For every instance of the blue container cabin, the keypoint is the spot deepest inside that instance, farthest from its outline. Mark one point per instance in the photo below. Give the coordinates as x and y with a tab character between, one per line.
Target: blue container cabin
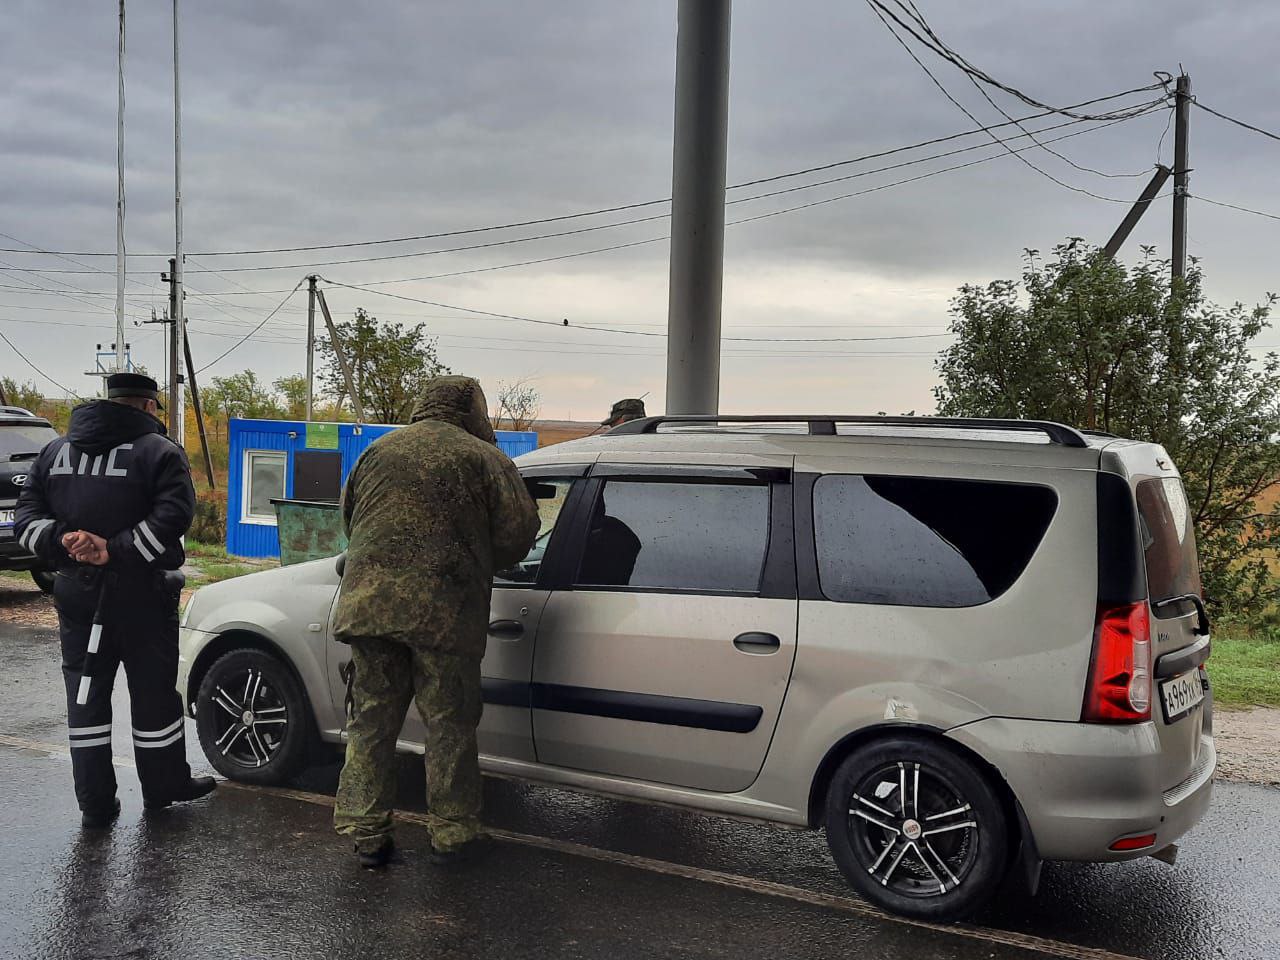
292	459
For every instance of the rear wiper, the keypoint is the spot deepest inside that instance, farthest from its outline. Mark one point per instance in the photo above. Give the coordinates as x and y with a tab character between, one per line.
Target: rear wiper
1202	615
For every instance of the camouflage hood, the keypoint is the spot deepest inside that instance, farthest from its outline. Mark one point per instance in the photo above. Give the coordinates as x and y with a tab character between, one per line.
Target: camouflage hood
458	401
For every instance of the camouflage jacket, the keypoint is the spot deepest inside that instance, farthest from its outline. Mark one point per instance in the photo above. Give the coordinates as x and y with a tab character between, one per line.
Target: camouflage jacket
431	511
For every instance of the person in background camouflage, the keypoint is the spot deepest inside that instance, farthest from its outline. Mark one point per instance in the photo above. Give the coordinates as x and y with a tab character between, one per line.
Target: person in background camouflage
431	511
622	411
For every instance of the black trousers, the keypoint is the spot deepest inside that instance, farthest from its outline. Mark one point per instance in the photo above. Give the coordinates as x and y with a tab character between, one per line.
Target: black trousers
140	631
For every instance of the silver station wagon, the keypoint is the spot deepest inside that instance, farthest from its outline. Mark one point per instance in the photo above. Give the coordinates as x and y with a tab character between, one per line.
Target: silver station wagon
962	647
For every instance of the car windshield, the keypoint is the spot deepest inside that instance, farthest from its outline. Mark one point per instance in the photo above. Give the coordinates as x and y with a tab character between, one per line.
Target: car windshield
18	440
1168	539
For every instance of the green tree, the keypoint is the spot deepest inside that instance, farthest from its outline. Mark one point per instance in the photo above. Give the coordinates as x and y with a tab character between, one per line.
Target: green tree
389	363
293	390
26	395
1086	341
241	395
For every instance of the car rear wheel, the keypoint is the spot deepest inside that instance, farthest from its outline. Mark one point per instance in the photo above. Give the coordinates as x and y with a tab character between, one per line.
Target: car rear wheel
917	829
44	580
253	718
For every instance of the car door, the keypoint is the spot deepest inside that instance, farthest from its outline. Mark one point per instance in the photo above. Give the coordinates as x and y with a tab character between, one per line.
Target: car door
519	597
666	655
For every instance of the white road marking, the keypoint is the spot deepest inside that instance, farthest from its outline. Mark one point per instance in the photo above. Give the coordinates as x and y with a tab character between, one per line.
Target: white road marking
768	888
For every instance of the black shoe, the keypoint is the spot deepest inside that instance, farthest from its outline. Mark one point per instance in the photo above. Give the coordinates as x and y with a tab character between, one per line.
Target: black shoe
376	859
194	789
100	818
470	852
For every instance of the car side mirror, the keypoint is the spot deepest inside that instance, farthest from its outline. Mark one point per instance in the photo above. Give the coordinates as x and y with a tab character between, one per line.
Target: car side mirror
340	563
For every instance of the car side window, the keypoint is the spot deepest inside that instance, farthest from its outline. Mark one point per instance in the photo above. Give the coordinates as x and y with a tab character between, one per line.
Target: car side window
550	495
677	536
925	541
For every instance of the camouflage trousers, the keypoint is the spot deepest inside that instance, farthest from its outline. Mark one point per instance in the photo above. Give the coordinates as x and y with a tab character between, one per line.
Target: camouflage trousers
446	687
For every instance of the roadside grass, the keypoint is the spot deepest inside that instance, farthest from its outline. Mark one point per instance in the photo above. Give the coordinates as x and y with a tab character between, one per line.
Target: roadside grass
1245	666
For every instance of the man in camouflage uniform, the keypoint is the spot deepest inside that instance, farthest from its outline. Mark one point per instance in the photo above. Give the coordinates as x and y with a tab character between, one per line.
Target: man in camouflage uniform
622	411
431	511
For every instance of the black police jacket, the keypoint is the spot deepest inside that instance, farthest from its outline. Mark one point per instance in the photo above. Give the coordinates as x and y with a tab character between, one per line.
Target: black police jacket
115	474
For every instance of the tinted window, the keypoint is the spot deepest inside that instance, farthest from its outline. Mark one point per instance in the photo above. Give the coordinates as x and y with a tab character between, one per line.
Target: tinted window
678	536
19	439
1168	540
923	542
550	496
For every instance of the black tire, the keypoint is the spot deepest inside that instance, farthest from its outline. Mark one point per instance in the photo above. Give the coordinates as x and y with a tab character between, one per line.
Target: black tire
44	580
885	850
275	744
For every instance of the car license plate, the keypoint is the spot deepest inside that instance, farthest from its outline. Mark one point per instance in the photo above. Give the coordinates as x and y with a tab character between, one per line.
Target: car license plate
6	518
1181	695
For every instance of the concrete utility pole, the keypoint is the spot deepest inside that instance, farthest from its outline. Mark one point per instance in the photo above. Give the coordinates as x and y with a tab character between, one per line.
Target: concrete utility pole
1181	174
175	355
119	346
178	337
340	353
697	206
311	340
1137	210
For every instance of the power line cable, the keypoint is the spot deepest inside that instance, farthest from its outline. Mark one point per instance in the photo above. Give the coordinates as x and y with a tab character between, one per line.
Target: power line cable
982	128
1233	206
937	46
27	361
239	343
880	10
1238	123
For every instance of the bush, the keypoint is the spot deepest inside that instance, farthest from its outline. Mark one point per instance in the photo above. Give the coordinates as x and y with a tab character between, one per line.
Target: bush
210	523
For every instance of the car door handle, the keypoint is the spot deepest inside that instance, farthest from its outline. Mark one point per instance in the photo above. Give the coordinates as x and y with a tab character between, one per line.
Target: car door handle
758	643
506	629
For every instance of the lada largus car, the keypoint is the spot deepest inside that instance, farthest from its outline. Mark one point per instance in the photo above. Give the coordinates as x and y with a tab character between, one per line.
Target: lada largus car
961	647
22	436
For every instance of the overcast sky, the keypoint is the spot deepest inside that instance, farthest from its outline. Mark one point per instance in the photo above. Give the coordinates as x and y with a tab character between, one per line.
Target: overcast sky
326	122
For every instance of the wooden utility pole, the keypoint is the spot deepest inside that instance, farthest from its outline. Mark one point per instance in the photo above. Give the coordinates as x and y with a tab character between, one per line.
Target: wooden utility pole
311	340
341	355
195	405
1181	175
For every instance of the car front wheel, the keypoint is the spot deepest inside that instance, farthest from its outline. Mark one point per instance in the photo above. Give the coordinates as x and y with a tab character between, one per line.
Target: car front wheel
44	580
917	829
253	718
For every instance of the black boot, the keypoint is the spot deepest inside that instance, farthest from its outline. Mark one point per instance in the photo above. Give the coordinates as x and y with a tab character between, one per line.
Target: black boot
473	850
101	818
376	859
193	789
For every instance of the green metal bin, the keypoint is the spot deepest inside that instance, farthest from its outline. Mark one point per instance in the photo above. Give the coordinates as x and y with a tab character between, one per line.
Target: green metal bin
309	530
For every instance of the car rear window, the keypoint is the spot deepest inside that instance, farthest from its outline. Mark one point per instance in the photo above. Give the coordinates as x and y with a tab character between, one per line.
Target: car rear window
678	536
1168	540
925	541
20	439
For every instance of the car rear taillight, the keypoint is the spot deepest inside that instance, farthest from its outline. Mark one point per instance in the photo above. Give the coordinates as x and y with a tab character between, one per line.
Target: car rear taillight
1119	686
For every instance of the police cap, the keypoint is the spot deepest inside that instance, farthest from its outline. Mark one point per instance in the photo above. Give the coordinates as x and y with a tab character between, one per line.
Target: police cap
132	385
624	410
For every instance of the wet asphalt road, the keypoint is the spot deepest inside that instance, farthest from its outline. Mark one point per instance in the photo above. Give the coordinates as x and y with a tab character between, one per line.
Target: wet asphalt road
255	873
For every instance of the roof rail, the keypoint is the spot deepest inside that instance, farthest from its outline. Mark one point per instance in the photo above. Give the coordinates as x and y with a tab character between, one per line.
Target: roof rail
825	425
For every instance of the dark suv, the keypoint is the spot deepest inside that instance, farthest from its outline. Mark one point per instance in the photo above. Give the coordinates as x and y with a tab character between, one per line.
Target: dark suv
22	435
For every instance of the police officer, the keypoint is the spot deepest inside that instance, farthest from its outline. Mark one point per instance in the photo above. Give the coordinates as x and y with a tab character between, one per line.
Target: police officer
106	506
622	411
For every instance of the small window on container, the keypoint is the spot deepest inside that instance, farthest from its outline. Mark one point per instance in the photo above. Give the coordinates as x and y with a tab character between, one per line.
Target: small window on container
264	480
924	541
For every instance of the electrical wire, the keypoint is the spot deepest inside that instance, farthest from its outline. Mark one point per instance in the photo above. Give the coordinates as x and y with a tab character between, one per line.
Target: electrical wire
239	343
981	128
937	46
1238	123
880	10
1233	206
27	360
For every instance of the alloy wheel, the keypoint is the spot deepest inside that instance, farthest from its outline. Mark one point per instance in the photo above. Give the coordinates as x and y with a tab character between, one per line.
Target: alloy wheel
252	719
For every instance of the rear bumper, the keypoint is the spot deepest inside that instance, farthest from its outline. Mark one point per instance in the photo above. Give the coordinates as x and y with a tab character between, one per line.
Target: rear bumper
1083	786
